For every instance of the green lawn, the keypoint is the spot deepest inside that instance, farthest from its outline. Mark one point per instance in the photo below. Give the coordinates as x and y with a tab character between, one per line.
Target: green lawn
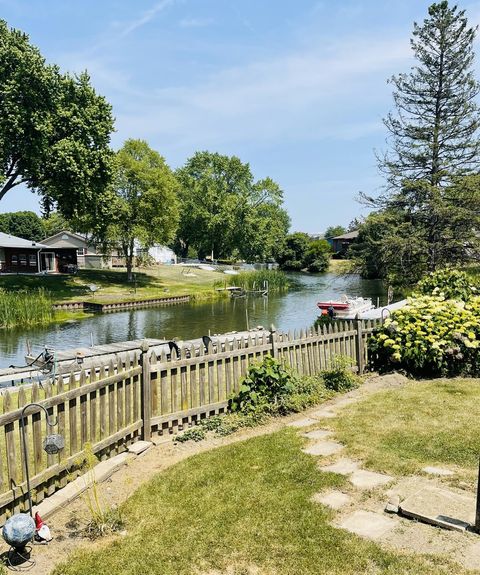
399	431
241	509
161	281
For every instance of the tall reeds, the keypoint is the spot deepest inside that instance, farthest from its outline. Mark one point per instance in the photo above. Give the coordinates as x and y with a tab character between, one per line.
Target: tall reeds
25	308
275	280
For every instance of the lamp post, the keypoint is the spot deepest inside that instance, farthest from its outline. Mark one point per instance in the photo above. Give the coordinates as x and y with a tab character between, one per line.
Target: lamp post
52	444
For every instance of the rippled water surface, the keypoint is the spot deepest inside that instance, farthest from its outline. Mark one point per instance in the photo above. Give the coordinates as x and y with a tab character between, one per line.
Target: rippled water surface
293	310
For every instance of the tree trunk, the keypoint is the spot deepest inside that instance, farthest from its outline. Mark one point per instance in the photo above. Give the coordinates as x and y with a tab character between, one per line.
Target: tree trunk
128	248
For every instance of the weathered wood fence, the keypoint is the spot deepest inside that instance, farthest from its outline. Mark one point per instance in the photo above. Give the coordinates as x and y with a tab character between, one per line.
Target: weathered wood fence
102	410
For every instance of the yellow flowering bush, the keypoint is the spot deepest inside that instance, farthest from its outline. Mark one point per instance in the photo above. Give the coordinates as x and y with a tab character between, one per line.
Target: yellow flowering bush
431	335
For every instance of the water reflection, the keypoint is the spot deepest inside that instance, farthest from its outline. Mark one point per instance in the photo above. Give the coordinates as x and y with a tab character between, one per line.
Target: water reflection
294	310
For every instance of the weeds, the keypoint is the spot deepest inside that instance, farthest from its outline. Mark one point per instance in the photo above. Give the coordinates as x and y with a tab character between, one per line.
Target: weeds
340	377
25	308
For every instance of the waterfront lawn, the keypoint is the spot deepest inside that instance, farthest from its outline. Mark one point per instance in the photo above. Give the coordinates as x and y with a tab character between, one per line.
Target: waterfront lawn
242	509
400	431
161	281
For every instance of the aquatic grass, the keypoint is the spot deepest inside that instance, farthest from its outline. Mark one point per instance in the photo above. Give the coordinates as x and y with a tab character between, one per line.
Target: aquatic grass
25	308
256	280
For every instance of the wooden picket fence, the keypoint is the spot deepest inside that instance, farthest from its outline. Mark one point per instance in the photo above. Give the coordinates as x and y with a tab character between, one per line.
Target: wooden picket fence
103	409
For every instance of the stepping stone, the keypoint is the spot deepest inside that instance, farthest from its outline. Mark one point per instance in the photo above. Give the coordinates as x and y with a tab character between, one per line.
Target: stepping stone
317	434
324	413
438	471
306	422
333	499
139	447
342	466
440	507
323	448
471	558
369	479
368	524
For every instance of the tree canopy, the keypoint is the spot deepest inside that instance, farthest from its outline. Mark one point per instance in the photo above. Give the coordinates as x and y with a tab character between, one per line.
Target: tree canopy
300	252
54	130
429	214
333	231
145	202
226	213
26	225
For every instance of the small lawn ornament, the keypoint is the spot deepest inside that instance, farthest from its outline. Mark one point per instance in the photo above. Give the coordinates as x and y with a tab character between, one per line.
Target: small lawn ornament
18	532
42	534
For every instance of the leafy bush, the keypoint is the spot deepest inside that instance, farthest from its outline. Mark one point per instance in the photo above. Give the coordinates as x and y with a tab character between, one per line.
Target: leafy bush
430	336
264	386
449	284
194	433
340	376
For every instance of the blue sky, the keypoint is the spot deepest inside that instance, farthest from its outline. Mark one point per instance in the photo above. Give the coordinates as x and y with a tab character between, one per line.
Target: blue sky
296	88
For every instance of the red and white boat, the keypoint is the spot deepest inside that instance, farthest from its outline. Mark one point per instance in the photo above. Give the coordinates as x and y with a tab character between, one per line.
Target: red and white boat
346	305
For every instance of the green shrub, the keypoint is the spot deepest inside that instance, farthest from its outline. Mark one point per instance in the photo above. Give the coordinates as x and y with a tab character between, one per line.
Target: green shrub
194	433
264	386
25	308
430	336
449	284
340	376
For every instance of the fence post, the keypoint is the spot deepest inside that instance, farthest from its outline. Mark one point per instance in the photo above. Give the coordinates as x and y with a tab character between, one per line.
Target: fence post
273	341
359	345
146	392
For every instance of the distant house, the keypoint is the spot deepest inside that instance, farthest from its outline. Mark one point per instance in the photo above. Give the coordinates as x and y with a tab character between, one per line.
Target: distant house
72	248
340	244
22	256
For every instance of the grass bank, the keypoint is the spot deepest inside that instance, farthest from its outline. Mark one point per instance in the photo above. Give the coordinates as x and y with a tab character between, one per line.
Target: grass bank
423	423
113	286
241	509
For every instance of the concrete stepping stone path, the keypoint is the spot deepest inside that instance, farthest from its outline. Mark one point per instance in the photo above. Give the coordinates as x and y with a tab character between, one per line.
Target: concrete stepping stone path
324	413
368	524
323	448
343	466
440	471
369	479
334	499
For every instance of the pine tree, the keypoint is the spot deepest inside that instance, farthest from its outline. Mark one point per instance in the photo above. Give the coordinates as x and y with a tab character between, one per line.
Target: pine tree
433	131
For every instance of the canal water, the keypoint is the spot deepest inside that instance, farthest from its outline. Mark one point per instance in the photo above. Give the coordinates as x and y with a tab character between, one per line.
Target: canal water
295	309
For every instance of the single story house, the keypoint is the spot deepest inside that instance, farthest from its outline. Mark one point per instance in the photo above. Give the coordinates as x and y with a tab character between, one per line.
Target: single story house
74	249
340	244
23	256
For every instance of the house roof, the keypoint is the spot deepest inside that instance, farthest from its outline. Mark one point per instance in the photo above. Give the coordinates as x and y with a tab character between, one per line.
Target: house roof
8	241
60	234
347	236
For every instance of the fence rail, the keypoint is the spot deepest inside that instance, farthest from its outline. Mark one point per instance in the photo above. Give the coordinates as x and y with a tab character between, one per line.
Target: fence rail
103	409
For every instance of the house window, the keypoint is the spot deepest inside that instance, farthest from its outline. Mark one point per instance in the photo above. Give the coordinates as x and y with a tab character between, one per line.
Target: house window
15	260
81	251
23	259
32	260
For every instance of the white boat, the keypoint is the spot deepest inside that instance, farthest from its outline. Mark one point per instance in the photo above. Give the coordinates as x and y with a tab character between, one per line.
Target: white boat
346	306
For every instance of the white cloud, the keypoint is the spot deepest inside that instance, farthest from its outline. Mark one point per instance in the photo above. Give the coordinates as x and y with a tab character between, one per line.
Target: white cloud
195	22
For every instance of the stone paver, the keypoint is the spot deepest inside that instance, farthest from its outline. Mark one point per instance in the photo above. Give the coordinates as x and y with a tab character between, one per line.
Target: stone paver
139	447
333	499
369	479
441	507
441	471
324	413
305	422
323	448
471	559
343	466
368	524
318	434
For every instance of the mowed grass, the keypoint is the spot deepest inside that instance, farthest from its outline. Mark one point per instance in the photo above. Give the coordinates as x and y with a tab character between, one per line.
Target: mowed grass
241	509
160	281
402	430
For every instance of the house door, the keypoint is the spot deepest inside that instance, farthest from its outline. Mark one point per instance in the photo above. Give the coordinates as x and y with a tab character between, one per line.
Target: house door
47	261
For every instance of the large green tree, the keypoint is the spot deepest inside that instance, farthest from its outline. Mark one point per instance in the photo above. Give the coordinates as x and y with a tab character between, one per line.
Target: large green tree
54	130
333	231
225	213
145	202
26	225
433	157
